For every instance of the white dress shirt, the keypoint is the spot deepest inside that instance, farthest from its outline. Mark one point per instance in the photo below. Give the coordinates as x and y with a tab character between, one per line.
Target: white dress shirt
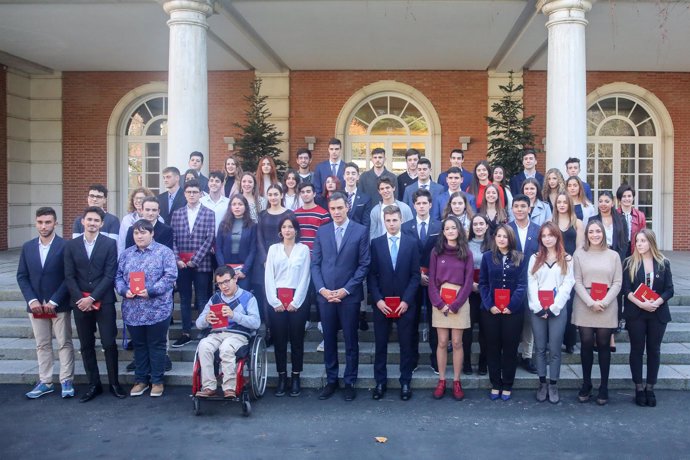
219	207
192	213
283	271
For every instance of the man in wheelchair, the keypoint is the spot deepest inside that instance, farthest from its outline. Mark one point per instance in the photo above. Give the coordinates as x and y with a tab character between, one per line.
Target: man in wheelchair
242	313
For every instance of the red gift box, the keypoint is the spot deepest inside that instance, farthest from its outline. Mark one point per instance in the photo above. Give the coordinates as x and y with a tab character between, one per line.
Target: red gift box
186	257
643	293
137	282
449	292
217	309
502	298
286	296
394	304
96	305
546	298
598	291
45	315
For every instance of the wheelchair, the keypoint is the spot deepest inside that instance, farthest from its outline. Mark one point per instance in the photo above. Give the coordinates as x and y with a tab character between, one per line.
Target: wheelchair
251	363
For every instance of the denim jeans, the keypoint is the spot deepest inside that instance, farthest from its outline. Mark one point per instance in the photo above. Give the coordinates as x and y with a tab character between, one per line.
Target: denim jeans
150	343
186	278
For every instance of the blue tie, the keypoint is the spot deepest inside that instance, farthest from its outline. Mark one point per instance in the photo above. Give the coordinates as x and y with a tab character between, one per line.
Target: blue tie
422	233
338	238
394	250
334	169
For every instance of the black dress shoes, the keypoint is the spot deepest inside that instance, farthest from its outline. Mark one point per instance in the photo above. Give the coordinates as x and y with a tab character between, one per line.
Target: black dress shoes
405	392
92	392
328	391
117	391
282	385
379	391
349	392
295	387
528	365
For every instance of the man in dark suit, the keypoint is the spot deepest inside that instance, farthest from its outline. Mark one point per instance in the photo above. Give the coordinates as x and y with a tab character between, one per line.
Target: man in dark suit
426	231
527	236
424	182
90	267
173	198
394	274
358	203
334	166
457	158
340	261
162	233
41	278
529	163
196	161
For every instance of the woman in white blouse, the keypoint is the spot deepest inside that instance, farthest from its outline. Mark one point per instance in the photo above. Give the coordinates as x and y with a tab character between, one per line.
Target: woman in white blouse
287	279
549	281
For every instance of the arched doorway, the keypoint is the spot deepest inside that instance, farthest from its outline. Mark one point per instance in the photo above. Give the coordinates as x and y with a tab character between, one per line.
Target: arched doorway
626	144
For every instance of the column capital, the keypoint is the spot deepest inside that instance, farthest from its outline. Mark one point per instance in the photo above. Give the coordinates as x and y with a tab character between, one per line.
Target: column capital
204	7
568	11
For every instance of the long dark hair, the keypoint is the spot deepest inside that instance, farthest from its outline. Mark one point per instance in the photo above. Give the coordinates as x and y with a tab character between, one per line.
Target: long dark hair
229	218
562	257
486	241
619	239
295	224
474	185
513	253
462	249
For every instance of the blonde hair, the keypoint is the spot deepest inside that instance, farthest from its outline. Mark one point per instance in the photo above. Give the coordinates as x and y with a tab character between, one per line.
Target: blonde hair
144	190
571	210
546	190
600	224
635	260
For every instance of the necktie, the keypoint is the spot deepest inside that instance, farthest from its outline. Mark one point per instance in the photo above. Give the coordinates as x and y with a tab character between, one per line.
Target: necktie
338	238
171	198
394	250
334	169
424	187
350	200
422	233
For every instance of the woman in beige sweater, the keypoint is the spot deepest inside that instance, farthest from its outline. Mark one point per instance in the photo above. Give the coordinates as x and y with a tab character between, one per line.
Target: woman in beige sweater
596	263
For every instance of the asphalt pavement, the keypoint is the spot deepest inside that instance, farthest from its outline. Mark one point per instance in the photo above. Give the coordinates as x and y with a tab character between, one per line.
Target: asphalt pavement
304	427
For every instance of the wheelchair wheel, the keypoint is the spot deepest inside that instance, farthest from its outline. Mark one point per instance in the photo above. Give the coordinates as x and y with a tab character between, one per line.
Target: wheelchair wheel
258	368
246	408
197	406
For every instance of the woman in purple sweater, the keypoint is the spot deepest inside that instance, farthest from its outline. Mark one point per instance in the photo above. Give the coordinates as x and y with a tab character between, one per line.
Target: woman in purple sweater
451	270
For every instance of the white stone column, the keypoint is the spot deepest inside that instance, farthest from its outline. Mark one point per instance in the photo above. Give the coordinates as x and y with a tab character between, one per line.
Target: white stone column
187	81
566	97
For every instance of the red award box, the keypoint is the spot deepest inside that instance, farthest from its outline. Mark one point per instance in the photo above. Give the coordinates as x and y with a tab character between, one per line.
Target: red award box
186	257
394	304
546	299
137	282
449	292
476	275
501	298
96	305
598	291
643	293
45	315
424	270
236	267
286	295
217	309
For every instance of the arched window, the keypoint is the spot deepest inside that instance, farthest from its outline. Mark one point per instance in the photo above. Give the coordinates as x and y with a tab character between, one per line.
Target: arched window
145	133
623	147
391	121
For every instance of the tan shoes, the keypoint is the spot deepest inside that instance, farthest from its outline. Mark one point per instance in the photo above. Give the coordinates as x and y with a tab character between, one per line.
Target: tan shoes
138	389
157	390
206	393
229	394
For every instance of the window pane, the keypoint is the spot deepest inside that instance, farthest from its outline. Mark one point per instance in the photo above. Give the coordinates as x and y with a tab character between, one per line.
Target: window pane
135	126
594	117
156	128
397	106
399	165
616	128
628	166
628	179
627	150
645	181
419	128
648	211
605	150
156	106
411	113
134	181
624	106
365	114
605	166
645	166
388	127
152	165
359	154
152	181
638	115
605	183
357	128
380	105
608	106
644	198
647	129
645	150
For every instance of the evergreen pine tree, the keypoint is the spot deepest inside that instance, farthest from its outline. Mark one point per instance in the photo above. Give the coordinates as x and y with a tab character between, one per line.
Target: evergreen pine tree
510	132
259	137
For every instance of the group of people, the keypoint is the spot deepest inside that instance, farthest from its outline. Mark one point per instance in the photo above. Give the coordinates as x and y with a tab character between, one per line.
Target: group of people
530	261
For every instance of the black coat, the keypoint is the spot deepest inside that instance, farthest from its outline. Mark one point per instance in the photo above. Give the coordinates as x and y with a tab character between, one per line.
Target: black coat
662	285
95	275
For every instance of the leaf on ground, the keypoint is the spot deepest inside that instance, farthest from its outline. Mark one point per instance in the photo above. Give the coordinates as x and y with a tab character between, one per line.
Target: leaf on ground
381	439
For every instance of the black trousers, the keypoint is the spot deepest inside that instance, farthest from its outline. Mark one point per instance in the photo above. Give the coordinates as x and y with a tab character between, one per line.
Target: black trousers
406	324
424	308
645	330
87	323
570	335
289	326
467	335
502	334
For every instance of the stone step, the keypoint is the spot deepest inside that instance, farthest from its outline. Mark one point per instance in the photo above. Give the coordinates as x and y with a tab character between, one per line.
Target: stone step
671	377
25	349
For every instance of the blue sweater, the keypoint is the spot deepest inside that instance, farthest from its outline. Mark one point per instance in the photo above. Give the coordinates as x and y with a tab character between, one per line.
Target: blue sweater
504	275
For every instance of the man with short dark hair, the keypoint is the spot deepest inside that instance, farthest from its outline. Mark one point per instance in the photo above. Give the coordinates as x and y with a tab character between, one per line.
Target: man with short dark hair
173	198
98	196
369	180
196	161
387	193
215	200
193	235
529	163
412	157
303	164
423	182
457	158
41	278
334	166
454	183
90	268
358	202
572	168
339	266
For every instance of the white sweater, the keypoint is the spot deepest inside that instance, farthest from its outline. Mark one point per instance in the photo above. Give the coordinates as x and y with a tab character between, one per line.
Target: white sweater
546	279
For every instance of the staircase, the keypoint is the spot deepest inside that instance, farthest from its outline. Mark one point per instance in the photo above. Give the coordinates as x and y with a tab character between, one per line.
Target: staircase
18	356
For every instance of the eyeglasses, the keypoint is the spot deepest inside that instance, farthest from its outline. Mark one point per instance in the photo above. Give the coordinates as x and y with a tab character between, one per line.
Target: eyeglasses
191	192
96	197
224	283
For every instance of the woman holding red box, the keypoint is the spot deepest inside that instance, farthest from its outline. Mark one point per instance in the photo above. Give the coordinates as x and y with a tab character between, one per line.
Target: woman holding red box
503	287
646	319
598	278
286	280
451	270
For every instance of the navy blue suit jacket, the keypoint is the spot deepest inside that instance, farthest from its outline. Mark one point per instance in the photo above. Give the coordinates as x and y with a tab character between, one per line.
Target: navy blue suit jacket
162	233
247	250
361	209
95	275
322	171
347	268
466	179
517	180
47	282
435	189
179	202
403	281
432	233
532	241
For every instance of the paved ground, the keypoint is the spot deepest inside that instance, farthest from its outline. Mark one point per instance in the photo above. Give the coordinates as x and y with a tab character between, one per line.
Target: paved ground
305	427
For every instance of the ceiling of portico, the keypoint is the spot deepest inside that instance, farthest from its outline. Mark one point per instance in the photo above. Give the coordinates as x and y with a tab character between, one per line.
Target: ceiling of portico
276	35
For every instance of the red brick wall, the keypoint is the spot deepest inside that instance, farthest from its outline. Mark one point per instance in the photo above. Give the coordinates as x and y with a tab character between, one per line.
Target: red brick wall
673	89
88	102
460	99
3	157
